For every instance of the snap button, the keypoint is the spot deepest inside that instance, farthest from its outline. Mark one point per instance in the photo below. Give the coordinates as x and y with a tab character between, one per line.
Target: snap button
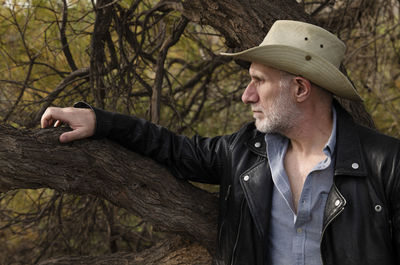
355	166
378	208
246	178
337	202
257	144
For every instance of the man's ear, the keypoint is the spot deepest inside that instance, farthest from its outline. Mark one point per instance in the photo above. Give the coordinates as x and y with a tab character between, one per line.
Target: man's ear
302	89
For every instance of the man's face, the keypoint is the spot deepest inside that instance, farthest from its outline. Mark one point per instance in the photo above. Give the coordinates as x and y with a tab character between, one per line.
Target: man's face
269	95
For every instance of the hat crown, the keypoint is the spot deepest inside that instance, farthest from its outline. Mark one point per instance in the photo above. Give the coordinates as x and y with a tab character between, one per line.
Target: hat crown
306	50
307	37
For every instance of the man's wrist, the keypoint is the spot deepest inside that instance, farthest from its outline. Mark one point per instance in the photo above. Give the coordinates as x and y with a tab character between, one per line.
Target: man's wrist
103	120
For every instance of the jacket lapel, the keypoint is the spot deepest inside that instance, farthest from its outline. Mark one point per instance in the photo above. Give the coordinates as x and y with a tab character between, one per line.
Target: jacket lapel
349	162
257	184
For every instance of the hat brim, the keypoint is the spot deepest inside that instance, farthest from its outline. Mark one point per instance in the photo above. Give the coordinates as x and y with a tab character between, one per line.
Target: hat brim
299	62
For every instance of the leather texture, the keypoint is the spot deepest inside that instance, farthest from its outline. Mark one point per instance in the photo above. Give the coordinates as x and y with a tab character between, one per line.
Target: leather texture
362	213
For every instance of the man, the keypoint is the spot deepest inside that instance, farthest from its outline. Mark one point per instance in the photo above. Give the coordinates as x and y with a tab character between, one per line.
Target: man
304	184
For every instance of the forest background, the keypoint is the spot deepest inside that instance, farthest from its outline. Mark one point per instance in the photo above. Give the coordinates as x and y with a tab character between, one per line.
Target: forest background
158	60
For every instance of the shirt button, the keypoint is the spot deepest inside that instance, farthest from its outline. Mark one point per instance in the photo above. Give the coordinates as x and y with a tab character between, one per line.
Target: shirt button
378	208
355	166
257	144
299	230
246	178
337	202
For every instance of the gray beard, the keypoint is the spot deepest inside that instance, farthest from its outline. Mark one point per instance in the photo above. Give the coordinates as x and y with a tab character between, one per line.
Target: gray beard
281	116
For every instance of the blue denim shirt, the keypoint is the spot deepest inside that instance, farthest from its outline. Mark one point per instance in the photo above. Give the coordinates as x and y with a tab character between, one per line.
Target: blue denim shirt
294	239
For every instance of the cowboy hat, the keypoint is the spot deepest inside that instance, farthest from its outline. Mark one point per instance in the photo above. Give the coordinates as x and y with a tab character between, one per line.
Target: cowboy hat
303	49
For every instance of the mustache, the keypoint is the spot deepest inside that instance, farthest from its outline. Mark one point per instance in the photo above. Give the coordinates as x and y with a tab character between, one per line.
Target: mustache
256	108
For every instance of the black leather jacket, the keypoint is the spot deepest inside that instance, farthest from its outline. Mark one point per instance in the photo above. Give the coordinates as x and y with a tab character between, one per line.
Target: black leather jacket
362	214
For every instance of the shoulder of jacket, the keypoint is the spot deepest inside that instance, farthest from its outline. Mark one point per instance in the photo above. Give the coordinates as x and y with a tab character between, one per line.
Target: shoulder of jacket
369	135
246	132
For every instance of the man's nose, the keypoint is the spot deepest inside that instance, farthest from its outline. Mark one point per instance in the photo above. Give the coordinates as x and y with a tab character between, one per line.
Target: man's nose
250	94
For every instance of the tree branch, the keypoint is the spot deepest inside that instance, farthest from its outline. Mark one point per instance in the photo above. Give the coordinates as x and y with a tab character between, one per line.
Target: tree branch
63	38
98	56
320	8
21	93
156	95
107	170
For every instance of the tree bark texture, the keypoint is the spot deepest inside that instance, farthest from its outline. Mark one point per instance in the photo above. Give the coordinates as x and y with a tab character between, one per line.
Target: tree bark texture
105	169
243	23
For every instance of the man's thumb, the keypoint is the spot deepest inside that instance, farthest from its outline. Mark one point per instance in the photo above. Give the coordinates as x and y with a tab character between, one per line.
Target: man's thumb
69	136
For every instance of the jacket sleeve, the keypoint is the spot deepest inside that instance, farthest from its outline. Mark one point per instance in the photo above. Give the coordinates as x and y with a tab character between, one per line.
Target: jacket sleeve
198	159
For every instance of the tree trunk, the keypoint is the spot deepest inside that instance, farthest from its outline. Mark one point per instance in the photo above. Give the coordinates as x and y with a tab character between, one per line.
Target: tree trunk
105	169
243	23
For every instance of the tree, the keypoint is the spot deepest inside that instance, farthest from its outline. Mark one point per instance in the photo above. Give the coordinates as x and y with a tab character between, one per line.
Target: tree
153	59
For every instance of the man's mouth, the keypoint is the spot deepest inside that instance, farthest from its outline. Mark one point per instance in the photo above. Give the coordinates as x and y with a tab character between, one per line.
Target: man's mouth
257	114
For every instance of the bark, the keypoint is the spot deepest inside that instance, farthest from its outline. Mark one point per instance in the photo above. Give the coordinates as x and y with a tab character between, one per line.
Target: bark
243	23
35	159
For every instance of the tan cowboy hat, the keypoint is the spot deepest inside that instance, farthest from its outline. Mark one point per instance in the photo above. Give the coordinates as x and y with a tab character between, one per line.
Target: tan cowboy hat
303	49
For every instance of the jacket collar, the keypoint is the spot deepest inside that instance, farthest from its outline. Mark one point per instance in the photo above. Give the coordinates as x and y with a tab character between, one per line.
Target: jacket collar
349	158
257	144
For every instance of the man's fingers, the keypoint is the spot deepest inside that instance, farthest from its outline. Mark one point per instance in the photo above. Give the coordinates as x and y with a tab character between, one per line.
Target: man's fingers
45	121
57	123
49	116
54	116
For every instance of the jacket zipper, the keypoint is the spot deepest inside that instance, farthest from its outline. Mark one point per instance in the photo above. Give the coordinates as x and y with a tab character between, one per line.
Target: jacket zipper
326	226
238	233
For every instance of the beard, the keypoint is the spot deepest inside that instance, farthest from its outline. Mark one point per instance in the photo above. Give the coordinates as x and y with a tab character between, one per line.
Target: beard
280	116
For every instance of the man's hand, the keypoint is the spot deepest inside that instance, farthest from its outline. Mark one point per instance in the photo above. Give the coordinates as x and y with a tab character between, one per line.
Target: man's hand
82	121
